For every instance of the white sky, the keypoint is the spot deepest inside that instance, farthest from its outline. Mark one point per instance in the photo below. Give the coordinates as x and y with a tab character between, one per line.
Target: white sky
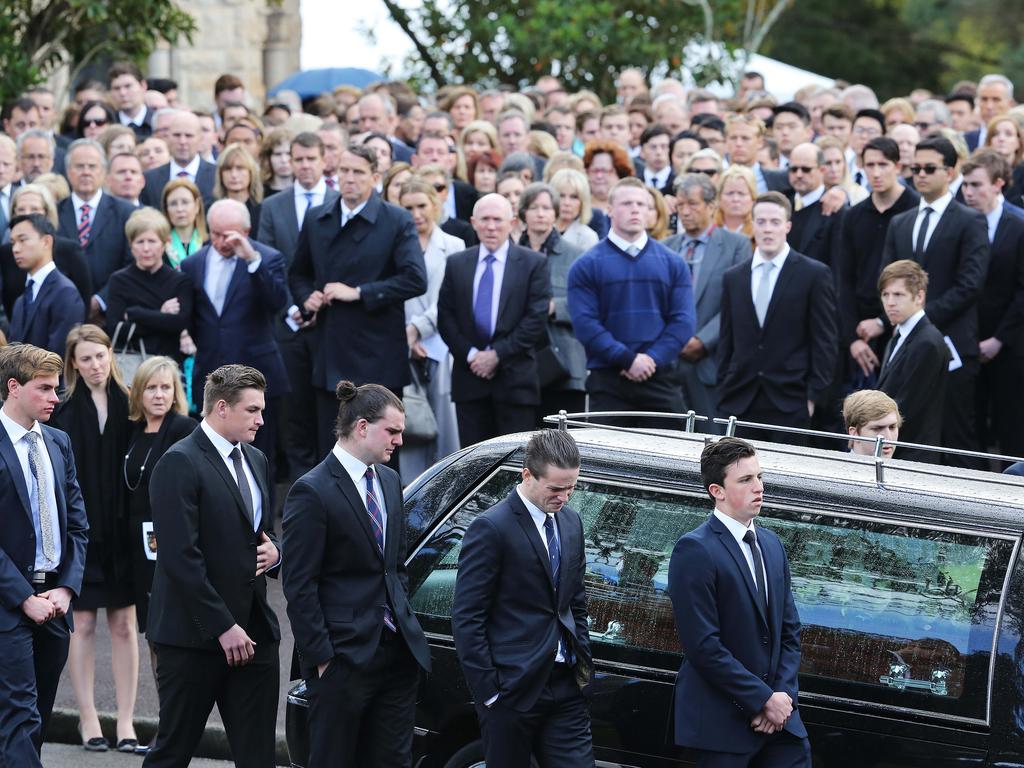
332	34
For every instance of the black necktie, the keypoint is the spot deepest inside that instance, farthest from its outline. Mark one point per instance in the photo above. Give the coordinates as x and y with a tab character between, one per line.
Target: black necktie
921	234
755	554
243	484
891	350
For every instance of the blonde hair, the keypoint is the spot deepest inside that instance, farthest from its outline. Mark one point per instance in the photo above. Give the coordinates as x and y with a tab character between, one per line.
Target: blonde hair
145	220
200	222
236	154
570	177
660	229
96	335
49	204
419	186
479	126
149	368
561	160
868	405
745	175
543	144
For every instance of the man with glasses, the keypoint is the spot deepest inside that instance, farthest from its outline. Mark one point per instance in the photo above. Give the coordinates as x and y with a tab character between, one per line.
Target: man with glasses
932	115
951	242
812	231
709	251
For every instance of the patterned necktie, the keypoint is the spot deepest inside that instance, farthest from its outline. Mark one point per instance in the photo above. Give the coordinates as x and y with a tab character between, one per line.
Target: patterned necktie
555	556
36	466
377	523
764	295
184	175
922	234
484	299
755	555
331	182
243	485
84	225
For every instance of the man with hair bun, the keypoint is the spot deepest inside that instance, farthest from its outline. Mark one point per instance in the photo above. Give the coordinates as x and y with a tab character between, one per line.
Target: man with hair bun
360	648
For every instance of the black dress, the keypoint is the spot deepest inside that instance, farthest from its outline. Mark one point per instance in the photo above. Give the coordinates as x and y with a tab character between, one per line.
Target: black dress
144	450
107	582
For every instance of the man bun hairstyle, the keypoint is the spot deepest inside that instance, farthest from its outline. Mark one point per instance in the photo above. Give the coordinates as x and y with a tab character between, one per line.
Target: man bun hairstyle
367	401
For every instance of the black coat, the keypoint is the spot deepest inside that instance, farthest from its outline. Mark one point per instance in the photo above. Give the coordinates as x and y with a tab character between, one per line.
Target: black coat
465	198
135	297
108	249
158	178
1001	309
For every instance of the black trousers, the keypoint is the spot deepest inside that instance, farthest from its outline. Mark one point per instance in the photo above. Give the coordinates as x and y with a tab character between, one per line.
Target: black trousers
609	390
999	411
298	416
190	682
780	750
764	411
489	417
363	717
958	418
32	657
556	730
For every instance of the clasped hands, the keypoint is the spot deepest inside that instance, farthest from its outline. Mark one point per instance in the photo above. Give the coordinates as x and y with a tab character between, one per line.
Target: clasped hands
774	714
47	605
331	292
641	369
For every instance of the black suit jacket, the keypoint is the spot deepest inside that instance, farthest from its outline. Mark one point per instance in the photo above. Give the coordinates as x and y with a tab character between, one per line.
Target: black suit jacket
379	252
336	579
777	180
460	229
158	178
518	332
507	616
916	379
205	578
67	255
108	249
1001	309
465	198
792	357
666	189
956	260
55	311
816	235
17	534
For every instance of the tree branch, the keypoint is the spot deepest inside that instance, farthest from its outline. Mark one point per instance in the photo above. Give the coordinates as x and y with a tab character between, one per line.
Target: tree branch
709	17
401	18
766	25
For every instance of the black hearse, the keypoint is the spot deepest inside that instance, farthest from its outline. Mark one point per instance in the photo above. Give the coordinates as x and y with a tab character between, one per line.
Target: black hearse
907	577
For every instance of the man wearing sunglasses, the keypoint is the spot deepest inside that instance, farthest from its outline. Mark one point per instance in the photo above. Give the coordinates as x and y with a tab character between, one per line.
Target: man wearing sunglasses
812	230
951	242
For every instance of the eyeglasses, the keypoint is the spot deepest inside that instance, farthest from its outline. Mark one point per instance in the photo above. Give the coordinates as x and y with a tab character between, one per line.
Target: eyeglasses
927	169
705	171
801	168
440	187
95	121
922	126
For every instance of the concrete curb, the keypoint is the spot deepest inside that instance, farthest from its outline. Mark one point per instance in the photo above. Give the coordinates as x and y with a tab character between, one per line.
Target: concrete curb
63	729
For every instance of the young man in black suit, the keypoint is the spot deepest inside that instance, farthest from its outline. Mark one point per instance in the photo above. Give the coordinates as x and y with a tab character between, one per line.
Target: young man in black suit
777	347
737	689
491	313
950	242
915	366
214	632
50	305
1001	309
42	549
520	617
359	645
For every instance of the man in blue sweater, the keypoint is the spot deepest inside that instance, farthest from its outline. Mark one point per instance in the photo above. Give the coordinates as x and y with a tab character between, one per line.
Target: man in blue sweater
632	309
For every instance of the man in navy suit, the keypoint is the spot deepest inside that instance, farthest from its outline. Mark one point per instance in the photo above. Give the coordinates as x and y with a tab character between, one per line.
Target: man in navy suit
360	646
94	218
356	262
42	549
184	135
519	616
240	289
729	582
51	305
994	98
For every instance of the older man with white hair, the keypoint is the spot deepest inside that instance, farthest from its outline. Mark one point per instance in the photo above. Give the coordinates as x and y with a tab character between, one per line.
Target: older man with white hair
994	98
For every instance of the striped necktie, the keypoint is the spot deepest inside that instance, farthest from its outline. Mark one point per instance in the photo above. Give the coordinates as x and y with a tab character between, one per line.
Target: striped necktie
377	523
84	225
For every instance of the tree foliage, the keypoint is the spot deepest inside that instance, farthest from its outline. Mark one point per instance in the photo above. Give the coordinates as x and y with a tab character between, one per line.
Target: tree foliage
38	36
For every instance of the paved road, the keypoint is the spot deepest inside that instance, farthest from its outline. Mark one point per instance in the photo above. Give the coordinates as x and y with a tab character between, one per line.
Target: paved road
69	756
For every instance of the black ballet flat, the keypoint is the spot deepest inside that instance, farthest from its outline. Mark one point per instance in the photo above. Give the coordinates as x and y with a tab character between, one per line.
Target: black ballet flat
96	744
128	745
142	749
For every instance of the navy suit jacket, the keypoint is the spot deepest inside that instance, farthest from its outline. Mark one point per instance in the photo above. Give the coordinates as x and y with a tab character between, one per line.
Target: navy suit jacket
734	656
379	252
244	333
108	249
158	178
508	616
1001	309
57	309
17	534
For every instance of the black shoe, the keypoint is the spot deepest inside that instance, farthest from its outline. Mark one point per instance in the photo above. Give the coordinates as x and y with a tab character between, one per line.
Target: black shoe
142	749
96	744
128	745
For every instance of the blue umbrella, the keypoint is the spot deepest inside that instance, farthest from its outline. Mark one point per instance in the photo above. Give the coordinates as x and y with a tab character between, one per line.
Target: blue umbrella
313	82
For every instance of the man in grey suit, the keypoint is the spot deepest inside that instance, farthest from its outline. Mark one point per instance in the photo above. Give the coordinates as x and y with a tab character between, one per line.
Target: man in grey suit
709	251
281	219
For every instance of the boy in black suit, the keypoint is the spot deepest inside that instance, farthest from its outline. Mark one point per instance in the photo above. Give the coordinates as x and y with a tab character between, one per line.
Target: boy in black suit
915	365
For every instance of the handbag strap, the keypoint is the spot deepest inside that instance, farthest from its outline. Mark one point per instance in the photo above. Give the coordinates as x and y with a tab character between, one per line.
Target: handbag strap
128	338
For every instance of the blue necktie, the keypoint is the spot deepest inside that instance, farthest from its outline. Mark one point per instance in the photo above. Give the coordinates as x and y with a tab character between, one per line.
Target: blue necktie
29	293
377	523
484	297
309	204
555	555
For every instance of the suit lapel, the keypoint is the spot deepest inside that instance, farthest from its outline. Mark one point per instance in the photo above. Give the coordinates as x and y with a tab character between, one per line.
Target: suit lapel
237	277
217	462
525	520
709	265
351	493
10	457
250	456
938	234
59	471
30	311
781	283
568	544
393	512
509	280
740	560
100	218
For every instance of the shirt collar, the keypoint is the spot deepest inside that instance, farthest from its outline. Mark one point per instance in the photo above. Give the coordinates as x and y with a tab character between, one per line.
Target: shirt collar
318	190
353	467
348	213
42	273
812	197
14	430
137	119
908	325
778	261
192	169
223	446
623	244
93	201
735	527
702	238
499	255
535	512
658	176
939	206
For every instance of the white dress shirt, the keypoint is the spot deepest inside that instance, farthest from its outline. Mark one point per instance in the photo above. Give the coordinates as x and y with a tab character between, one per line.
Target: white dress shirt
623	244
216	265
94	203
17	433
347	213
39	276
905	328
224	448
498	271
539	517
657	179
317	198
806	201
773	276
938	208
192	169
356	469
137	119
738	531
993	216
449	202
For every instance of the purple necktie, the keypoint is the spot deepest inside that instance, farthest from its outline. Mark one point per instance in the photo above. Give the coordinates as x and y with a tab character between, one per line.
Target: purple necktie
484	297
377	523
84	226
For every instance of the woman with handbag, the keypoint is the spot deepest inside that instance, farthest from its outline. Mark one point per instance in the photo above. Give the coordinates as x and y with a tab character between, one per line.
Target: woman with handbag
562	366
148	299
94	413
428	355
